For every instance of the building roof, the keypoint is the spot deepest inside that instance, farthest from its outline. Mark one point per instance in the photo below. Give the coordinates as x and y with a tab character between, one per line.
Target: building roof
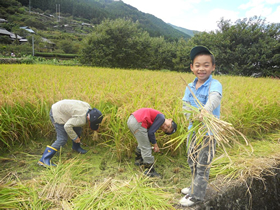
46	40
3	20
11	35
27	29
4	32
23	40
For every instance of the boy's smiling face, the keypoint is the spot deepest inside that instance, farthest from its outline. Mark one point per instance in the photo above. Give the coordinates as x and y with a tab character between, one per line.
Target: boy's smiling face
202	67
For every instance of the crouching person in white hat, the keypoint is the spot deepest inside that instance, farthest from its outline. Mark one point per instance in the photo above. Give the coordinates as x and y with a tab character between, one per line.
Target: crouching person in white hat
68	118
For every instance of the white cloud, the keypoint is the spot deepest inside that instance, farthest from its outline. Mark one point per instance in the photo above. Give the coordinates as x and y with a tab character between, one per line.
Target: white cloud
272	1
176	12
263	8
156	6
259	10
256	3
251	3
274	17
200	15
209	22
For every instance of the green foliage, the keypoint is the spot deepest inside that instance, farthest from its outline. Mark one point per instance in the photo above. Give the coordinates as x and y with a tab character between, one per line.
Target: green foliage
181	60
68	46
56	55
9	7
121	43
34	23
5	40
162	54
117	43
20	196
248	46
19	50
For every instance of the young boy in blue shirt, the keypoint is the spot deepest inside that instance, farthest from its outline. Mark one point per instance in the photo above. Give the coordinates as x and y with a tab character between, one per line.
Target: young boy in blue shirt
209	92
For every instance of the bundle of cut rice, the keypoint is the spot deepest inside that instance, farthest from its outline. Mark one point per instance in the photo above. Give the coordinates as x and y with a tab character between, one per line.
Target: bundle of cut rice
205	123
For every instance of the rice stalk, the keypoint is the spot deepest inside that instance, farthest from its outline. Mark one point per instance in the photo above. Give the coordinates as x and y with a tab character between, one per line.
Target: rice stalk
223	132
216	130
16	195
63	181
135	193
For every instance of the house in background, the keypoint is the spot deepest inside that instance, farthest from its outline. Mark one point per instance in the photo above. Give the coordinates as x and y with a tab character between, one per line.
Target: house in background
3	20
27	29
48	44
11	36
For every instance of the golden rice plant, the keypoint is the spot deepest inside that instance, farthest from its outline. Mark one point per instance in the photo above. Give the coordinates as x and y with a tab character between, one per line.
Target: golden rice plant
118	93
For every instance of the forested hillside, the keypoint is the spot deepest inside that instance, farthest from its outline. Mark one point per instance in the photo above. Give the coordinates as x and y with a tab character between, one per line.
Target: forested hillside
95	11
115	37
184	30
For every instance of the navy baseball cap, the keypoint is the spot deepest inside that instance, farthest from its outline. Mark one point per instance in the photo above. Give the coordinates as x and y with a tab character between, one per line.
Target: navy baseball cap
95	118
174	126
199	49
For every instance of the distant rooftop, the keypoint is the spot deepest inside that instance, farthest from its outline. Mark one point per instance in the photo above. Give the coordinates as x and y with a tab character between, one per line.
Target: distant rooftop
3	20
27	29
11	35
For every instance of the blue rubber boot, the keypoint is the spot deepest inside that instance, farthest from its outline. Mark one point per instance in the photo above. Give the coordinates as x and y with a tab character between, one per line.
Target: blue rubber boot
47	156
77	148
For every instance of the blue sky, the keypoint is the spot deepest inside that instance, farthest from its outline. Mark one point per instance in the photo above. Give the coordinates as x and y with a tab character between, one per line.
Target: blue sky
203	15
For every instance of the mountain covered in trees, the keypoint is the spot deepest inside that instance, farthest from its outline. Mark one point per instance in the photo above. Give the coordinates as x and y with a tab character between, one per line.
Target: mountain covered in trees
116	39
184	30
95	11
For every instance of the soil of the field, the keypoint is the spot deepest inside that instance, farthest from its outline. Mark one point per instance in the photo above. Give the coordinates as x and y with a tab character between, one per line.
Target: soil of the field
254	194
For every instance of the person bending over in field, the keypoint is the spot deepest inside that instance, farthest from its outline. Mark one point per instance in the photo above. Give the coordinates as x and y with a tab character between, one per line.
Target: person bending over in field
209	93
143	124
68	117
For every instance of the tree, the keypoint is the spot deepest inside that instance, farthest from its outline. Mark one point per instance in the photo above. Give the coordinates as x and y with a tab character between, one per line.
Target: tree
162	54
181	60
248	46
116	43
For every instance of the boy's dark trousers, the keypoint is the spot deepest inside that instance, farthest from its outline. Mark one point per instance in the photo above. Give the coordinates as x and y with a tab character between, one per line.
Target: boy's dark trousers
199	160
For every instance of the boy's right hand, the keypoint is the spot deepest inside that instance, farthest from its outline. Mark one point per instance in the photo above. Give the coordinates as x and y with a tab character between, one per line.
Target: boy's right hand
156	148
203	113
78	140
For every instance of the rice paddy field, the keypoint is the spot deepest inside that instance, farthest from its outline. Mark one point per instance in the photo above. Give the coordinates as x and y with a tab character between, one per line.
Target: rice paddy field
106	177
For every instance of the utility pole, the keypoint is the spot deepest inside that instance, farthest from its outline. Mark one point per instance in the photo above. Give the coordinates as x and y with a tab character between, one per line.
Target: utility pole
29	5
32	45
57	11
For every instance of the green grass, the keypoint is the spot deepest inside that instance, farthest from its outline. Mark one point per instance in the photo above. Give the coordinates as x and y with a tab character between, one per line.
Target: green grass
96	179
28	91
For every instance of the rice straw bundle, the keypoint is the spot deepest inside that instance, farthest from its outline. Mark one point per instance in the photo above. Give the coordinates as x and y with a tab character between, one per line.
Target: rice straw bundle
204	123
